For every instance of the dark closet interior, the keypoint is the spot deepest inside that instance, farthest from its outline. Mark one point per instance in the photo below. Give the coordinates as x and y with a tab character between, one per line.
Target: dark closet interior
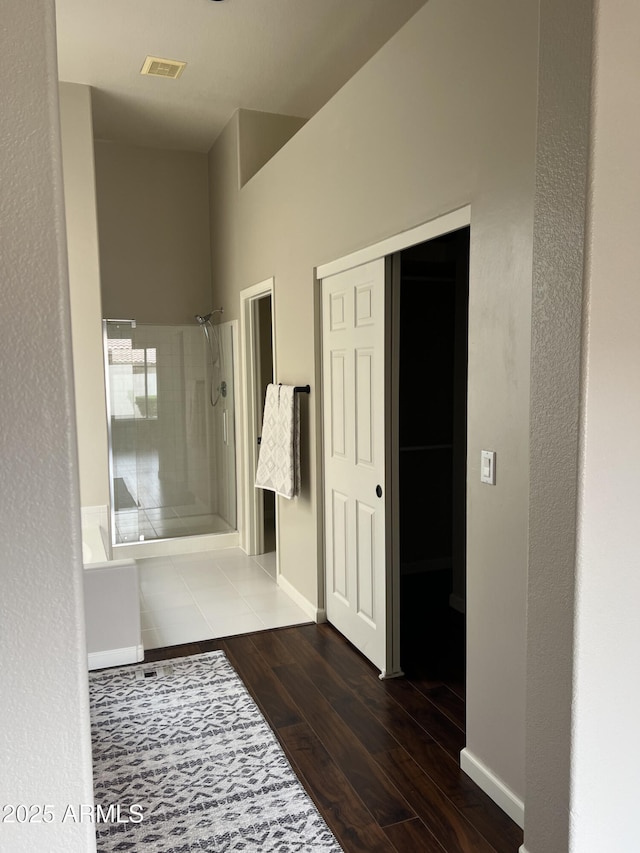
433	282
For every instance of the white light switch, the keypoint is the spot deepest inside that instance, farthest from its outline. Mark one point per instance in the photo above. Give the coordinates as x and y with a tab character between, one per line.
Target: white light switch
488	467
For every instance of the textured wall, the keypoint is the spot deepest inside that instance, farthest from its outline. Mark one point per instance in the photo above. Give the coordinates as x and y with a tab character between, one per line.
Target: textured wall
561	188
442	116
84	287
45	748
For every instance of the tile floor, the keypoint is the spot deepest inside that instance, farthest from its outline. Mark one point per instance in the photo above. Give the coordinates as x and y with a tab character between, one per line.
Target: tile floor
211	594
149	507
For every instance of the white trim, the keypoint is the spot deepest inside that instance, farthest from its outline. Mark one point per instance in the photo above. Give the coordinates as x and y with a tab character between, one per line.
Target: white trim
458	603
116	657
427	231
523	849
319	445
492	786
252	533
315	613
237	453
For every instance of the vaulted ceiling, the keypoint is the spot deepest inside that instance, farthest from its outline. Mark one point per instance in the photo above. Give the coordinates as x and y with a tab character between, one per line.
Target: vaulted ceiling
283	56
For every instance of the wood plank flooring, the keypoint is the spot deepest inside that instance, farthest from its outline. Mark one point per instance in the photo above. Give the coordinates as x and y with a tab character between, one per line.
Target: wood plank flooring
379	758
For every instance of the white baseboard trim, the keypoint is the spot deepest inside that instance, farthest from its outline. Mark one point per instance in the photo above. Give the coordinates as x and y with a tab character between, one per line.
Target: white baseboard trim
116	657
523	849
314	613
458	603
492	786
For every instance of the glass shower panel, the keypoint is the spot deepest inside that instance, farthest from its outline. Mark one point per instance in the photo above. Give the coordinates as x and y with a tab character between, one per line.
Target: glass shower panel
171	419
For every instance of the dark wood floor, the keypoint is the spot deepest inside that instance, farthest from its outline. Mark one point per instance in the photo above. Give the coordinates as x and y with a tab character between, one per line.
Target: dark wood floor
379	758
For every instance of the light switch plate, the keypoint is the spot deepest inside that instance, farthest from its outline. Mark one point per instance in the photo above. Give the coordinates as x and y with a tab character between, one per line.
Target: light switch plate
488	467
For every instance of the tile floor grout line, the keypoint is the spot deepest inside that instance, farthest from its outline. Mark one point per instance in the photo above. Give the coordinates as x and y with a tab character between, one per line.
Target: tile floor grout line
236	587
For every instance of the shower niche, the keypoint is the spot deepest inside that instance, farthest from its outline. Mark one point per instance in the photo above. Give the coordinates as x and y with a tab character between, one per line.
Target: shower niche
170	409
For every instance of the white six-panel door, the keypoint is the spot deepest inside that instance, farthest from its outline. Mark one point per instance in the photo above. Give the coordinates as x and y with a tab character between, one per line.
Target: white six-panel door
353	376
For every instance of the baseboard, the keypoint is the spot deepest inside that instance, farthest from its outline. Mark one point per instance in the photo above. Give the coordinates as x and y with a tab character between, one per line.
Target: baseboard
458	603
492	786
523	849
314	613
116	657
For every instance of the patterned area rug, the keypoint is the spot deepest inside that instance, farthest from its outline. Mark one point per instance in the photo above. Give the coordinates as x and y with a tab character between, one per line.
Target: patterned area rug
184	761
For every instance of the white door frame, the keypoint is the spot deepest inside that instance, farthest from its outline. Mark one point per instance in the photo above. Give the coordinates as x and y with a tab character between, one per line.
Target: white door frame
252	535
438	227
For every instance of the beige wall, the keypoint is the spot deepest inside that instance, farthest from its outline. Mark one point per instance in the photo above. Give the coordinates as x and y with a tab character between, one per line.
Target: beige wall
260	136
224	199
44	716
442	116
153	220
84	285
45	747
561	197
584	585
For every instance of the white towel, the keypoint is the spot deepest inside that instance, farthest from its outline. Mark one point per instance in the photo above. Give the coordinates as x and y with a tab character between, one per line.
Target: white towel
279	458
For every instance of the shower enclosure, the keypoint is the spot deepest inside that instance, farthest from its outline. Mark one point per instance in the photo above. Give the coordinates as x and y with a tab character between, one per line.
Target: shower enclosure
170	407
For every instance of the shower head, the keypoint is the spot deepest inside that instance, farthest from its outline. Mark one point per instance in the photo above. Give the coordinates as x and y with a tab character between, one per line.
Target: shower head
205	319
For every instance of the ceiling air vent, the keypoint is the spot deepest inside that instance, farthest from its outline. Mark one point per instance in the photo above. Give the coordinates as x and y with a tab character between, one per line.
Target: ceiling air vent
157	67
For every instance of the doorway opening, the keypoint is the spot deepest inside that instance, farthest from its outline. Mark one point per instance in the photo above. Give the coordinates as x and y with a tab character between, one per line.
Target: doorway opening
172	446
264	374
430	290
363	345
258	368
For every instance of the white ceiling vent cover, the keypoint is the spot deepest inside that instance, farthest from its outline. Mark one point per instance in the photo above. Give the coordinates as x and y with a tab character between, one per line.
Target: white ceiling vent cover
154	66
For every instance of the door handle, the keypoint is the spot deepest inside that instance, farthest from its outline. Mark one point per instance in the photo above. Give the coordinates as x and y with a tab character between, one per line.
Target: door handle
379	491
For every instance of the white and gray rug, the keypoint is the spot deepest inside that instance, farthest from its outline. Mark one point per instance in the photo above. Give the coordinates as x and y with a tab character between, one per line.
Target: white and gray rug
182	745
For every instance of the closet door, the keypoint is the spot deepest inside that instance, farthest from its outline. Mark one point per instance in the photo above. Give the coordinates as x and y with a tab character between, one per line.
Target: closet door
353	373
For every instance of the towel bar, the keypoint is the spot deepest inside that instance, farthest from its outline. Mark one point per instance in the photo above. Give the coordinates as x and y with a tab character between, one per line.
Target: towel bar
300	389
